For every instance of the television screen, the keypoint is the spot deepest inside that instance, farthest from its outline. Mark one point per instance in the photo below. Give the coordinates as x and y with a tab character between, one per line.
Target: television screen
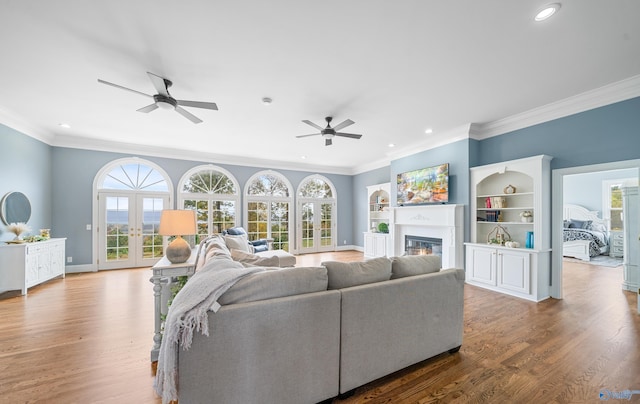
427	185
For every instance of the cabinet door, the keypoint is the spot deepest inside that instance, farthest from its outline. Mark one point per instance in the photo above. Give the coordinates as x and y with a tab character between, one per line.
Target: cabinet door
369	245
514	271
380	246
32	258
481	265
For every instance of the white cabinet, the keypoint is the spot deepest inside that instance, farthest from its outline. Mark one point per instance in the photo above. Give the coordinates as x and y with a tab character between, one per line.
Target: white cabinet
616	243
508	270
378	205
501	193
375	244
25	265
631	247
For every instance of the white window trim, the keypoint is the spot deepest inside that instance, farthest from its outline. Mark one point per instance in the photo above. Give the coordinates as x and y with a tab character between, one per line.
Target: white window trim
261	198
606	196
182	196
333	200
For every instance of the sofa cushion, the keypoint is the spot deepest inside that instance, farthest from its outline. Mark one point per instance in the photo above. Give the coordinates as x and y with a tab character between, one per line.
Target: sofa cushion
238	243
410	265
276	283
347	274
256	260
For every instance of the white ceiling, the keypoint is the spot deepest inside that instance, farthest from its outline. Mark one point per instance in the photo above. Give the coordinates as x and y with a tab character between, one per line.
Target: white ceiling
393	67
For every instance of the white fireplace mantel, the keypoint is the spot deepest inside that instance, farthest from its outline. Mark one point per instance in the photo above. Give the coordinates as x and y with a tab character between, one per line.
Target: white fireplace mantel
438	221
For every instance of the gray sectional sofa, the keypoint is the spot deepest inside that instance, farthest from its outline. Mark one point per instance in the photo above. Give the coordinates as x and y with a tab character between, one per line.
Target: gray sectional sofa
304	335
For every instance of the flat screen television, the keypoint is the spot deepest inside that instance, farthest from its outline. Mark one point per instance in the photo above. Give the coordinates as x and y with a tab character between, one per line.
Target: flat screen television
427	185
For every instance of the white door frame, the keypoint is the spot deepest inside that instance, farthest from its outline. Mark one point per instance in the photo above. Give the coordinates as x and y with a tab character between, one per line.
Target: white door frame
135	219
557	187
98	181
317	230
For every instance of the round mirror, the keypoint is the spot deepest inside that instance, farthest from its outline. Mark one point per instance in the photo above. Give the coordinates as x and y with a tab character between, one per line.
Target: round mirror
15	208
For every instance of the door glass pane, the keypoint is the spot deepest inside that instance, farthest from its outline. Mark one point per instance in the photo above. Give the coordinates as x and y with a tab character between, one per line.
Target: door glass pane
325	224
307	224
202	217
280	225
117	228
257	220
151	240
224	215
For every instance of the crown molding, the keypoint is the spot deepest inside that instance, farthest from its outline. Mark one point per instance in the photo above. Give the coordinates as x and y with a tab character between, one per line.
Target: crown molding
19	124
609	94
76	142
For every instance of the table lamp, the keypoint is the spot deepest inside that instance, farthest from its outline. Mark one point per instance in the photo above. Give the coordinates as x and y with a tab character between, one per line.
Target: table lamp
178	223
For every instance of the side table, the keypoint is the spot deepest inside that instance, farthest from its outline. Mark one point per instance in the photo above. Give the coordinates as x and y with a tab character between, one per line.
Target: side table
162	270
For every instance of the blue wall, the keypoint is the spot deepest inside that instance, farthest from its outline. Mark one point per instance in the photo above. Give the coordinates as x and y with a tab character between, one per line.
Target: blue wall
601	135
25	165
74	171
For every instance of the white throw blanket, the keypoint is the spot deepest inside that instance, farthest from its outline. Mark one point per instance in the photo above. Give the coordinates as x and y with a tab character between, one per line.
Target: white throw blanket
188	311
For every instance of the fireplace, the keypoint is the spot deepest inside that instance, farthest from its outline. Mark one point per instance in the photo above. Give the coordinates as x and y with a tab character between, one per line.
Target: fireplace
441	222
418	245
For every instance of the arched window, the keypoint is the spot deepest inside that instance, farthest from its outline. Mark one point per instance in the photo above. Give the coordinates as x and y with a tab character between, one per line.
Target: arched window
213	193
268	197
316	207
130	194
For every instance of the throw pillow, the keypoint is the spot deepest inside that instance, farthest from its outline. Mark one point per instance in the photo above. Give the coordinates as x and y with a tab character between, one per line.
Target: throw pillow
579	224
347	274
255	260
276	283
410	265
237	243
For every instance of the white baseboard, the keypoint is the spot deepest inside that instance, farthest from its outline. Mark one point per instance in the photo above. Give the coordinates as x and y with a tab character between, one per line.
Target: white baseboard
349	247
76	269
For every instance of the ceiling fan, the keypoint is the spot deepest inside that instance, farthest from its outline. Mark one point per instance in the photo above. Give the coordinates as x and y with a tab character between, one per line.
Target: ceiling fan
164	100
328	133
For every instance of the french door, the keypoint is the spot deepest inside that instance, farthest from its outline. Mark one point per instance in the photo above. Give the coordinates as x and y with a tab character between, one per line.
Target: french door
128	229
316	226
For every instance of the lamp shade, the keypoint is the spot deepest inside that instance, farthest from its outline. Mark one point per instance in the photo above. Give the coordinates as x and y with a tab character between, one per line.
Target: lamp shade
177	223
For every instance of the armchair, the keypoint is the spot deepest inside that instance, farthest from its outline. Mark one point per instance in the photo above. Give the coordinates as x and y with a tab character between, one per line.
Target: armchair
263	244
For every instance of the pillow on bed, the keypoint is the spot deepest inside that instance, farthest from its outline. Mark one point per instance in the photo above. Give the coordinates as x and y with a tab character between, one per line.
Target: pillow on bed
566	223
579	224
599	227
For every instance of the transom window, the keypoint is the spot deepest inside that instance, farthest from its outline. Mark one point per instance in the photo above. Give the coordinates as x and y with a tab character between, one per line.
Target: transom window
213	193
134	177
316	188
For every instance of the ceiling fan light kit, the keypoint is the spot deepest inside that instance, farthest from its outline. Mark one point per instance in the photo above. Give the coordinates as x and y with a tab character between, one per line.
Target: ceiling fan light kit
164	100
328	133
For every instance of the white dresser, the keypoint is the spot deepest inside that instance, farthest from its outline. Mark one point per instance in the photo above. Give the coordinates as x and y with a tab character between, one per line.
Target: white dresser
25	265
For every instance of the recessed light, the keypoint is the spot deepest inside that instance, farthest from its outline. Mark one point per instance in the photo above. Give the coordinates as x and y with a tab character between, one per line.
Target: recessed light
428	131
303	157
391	145
547	11
64	125
267	101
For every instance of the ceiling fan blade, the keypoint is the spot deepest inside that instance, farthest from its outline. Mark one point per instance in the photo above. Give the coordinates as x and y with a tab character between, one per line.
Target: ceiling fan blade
159	83
313	134
198	104
313	124
351	135
327	142
188	115
148	108
343	124
123	88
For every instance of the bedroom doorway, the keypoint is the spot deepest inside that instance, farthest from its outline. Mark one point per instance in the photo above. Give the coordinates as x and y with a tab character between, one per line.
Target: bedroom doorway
562	183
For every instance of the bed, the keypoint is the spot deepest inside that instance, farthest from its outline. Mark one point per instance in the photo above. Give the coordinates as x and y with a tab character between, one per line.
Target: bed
585	235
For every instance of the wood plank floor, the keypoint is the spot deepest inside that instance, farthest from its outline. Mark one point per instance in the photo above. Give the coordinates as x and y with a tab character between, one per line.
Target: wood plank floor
87	339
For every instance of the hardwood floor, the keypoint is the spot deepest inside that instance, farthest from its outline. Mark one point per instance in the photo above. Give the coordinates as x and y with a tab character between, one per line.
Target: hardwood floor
87	339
